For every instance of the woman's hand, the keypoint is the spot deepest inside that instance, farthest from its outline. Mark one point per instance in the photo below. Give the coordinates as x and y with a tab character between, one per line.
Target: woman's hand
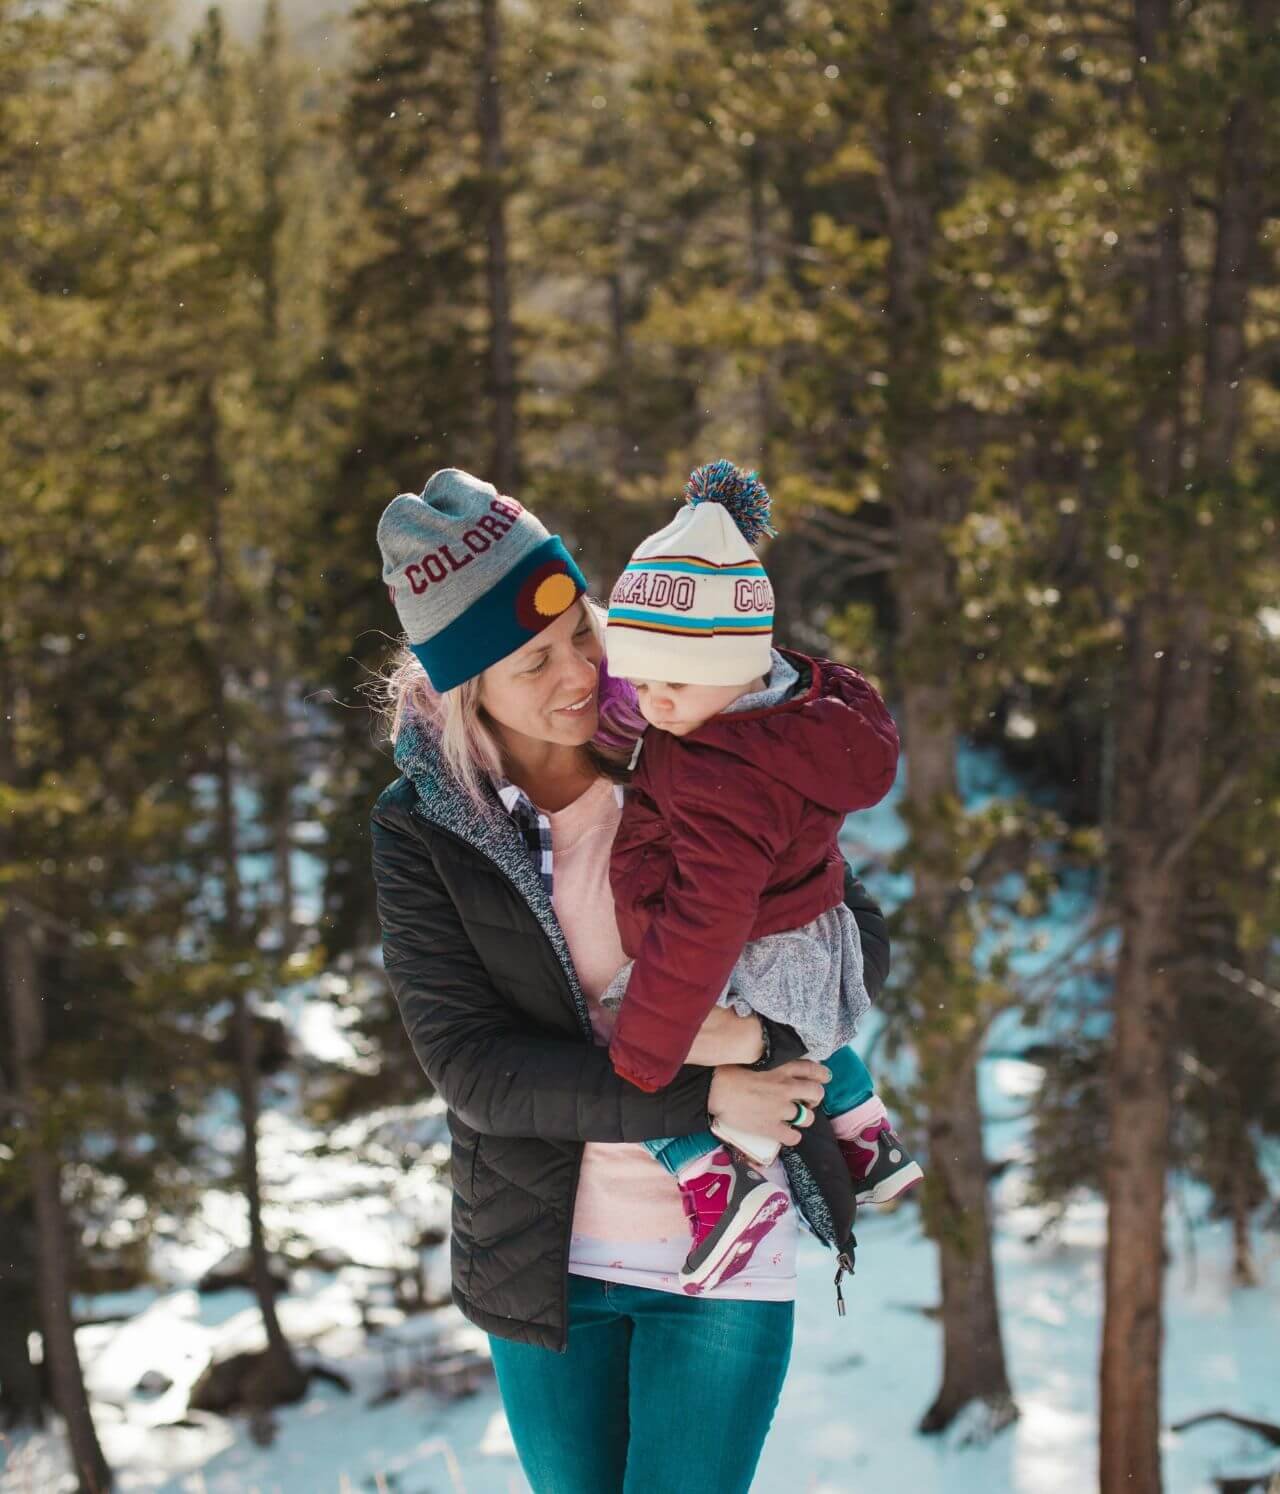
725	1037
764	1101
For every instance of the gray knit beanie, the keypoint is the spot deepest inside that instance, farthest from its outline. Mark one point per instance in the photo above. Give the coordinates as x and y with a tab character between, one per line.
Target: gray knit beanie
472	575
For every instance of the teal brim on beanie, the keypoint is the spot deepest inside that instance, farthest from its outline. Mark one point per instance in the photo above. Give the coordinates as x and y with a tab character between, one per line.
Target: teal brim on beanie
541	588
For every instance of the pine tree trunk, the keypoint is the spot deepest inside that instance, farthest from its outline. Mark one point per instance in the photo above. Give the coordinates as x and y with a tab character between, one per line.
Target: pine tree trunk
21	1386
957	1206
54	1254
757	230
502	353
25	1019
1244	1269
1164	720
620	342
280	777
281	1379
279	767
974	1370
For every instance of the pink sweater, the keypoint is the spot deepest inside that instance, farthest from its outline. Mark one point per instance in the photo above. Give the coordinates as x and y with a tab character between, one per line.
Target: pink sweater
628	1225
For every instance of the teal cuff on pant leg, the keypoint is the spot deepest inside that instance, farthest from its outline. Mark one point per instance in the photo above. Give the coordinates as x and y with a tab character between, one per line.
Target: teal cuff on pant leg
674	1152
850	1083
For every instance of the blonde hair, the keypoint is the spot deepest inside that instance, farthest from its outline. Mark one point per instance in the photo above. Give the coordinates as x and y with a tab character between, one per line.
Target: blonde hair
402	693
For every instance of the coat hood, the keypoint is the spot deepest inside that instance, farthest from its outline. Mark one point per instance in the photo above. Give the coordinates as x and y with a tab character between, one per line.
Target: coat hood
834	741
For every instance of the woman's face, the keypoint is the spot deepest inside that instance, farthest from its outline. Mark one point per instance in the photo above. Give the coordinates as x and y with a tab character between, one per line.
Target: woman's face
546	690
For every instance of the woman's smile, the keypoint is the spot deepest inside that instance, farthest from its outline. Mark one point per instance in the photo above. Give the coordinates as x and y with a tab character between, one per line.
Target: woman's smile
577	707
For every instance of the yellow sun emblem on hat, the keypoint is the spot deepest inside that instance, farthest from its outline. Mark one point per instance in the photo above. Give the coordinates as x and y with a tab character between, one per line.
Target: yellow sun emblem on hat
546	593
554	594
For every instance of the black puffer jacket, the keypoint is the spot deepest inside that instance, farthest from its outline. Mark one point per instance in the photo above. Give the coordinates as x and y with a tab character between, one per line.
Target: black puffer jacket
487	990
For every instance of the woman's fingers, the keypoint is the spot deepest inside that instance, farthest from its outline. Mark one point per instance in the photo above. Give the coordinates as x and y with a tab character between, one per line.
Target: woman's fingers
803	1069
766	1100
807	1094
802	1082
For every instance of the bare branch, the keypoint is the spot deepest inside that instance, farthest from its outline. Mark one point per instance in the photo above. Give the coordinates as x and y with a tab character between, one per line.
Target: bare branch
1267	1429
1209	810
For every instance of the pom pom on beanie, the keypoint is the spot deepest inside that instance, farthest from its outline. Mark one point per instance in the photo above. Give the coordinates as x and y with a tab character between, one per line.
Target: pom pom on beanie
742	493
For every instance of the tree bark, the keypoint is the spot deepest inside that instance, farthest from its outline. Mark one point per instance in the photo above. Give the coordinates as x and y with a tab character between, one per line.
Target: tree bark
502	353
274	153
758	270
1244	1270
956	1193
957	1205
620	342
281	1378
53	1256
21	1384
1164	719
278	795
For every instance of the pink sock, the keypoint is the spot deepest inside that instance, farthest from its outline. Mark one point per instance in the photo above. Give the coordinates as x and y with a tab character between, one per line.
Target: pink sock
854	1122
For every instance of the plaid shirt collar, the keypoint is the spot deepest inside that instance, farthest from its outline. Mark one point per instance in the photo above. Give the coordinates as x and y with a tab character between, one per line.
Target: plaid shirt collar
534	826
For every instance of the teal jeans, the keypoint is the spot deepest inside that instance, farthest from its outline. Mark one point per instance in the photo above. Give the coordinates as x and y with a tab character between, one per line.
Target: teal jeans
658	1393
850	1084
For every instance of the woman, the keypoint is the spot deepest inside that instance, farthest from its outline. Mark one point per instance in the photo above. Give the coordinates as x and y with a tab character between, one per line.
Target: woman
490	855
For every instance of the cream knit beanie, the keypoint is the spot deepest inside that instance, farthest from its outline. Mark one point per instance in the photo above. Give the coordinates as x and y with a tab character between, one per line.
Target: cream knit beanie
694	605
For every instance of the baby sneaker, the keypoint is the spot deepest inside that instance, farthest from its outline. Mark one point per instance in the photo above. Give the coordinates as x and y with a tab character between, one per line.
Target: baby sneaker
731	1206
880	1166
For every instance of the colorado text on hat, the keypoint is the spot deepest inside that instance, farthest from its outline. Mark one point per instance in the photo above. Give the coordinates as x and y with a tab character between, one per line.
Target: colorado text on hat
438	565
660	589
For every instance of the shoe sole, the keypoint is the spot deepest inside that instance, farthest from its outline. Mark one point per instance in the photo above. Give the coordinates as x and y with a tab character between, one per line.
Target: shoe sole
738	1249
891	1187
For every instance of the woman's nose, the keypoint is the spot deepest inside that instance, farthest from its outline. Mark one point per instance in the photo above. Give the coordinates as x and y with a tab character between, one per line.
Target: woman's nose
581	673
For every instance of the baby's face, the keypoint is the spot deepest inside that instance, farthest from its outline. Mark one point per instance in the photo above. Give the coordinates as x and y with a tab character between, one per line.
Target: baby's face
681	709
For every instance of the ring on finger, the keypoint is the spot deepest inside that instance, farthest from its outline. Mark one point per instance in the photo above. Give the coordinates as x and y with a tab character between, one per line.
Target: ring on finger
801	1115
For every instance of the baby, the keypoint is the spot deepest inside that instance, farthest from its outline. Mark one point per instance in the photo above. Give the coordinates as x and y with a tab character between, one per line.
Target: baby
726	870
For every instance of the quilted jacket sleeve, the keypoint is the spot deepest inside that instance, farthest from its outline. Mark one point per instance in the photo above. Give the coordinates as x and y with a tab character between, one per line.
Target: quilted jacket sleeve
499	1074
639	863
720	865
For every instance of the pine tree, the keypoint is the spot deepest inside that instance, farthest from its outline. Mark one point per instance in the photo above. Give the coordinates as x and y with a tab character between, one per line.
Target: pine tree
93	868
1188	508
408	320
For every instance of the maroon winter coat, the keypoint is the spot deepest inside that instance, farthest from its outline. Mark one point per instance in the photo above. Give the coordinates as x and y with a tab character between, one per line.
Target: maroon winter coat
728	834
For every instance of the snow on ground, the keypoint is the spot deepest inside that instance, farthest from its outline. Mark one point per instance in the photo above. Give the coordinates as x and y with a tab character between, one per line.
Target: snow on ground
856	1387
846	1418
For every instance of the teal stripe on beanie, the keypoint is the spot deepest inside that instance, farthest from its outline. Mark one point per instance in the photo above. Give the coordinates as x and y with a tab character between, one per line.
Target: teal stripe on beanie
515	609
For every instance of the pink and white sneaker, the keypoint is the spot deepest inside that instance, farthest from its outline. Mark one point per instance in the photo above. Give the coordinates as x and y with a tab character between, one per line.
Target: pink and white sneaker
731	1207
880	1166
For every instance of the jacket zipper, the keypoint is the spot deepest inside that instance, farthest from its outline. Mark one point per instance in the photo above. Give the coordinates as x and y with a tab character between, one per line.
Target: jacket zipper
844	1263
